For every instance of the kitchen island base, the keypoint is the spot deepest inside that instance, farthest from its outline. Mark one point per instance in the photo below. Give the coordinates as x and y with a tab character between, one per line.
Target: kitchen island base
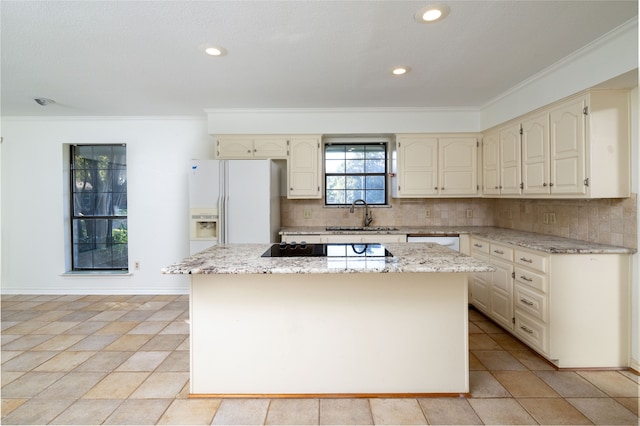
353	334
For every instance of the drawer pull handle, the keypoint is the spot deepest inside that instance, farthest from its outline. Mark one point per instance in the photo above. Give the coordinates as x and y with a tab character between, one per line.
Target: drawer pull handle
526	278
498	251
524	259
526	330
477	245
526	302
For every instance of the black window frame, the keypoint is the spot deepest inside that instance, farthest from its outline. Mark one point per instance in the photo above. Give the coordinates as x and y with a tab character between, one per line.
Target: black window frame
384	174
84	214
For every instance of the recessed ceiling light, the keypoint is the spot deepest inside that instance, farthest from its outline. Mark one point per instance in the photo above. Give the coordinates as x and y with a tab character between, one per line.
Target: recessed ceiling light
400	70
214	50
432	13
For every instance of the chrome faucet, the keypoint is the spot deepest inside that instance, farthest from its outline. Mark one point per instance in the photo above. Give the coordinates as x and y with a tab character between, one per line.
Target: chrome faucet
367	218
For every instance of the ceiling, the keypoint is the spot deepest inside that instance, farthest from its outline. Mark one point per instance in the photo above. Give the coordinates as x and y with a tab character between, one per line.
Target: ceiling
97	58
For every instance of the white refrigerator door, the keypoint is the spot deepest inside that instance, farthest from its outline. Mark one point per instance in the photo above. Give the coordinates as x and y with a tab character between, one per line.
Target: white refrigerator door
204	178
251	192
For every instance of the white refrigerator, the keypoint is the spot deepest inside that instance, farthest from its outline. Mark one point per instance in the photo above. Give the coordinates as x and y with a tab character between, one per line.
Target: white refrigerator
233	201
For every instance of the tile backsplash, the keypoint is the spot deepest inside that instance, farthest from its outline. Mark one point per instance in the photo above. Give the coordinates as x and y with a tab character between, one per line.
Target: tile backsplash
606	221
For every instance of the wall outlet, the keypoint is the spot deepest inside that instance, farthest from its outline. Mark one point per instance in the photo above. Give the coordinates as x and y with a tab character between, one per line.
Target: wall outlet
545	218
307	213
427	213
137	265
552	217
469	213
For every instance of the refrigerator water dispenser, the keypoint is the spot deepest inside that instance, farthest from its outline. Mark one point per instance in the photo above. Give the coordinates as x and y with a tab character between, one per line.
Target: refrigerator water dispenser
204	224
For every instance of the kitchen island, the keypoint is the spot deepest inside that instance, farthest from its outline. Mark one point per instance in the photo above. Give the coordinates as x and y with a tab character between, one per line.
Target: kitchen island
329	326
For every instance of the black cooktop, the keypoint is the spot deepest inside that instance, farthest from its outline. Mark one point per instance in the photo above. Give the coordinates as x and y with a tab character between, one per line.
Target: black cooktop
303	249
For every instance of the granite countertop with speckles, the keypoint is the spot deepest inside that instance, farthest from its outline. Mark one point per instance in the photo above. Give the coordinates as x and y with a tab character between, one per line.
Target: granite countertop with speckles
529	240
246	259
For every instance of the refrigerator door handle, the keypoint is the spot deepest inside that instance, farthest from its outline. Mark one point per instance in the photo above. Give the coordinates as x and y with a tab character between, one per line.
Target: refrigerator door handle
224	198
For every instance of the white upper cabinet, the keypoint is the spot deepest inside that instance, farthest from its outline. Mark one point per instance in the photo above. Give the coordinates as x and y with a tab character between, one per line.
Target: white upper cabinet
510	176
435	166
304	167
458	163
243	147
567	148
535	155
501	161
417	166
576	148
491	163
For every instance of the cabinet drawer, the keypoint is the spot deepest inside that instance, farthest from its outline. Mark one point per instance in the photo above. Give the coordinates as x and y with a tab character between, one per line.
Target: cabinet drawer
531	279
480	246
532	302
532	332
502	252
531	260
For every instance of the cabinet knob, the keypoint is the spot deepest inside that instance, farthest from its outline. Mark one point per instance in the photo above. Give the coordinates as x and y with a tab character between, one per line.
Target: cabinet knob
442	189
435	188
544	184
248	151
551	184
495	187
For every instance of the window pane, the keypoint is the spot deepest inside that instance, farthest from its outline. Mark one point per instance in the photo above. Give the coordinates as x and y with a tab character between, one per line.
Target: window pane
355	152
355	166
100	243
353	170
375	197
99	207
335	197
375	182
375	166
335	182
335	166
355	182
376	152
353	195
334	152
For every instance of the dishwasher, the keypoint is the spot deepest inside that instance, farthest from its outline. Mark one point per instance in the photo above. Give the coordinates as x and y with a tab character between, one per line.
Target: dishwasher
450	241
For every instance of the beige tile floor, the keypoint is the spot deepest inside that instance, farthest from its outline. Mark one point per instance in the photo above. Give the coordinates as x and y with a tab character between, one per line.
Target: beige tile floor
125	360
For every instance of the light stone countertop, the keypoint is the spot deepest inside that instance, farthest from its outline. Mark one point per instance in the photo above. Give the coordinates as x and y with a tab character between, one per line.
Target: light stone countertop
529	240
246	259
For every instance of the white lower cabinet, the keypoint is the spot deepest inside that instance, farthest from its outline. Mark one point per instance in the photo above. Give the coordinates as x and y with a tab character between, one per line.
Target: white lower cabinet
573	309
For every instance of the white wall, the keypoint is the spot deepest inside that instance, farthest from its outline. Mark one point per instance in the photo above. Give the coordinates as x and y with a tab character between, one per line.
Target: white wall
158	153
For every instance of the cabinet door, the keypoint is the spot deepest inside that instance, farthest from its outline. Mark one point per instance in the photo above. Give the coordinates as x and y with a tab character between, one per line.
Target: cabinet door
510	177
234	148
480	286
501	308
458	161
417	166
303	168
535	155
567	148
491	163
270	147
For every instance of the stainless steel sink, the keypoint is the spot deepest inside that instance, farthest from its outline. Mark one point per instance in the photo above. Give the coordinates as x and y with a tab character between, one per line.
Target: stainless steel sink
361	228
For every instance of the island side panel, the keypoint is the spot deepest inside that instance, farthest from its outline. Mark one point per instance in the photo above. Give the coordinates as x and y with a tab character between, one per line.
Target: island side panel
329	333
